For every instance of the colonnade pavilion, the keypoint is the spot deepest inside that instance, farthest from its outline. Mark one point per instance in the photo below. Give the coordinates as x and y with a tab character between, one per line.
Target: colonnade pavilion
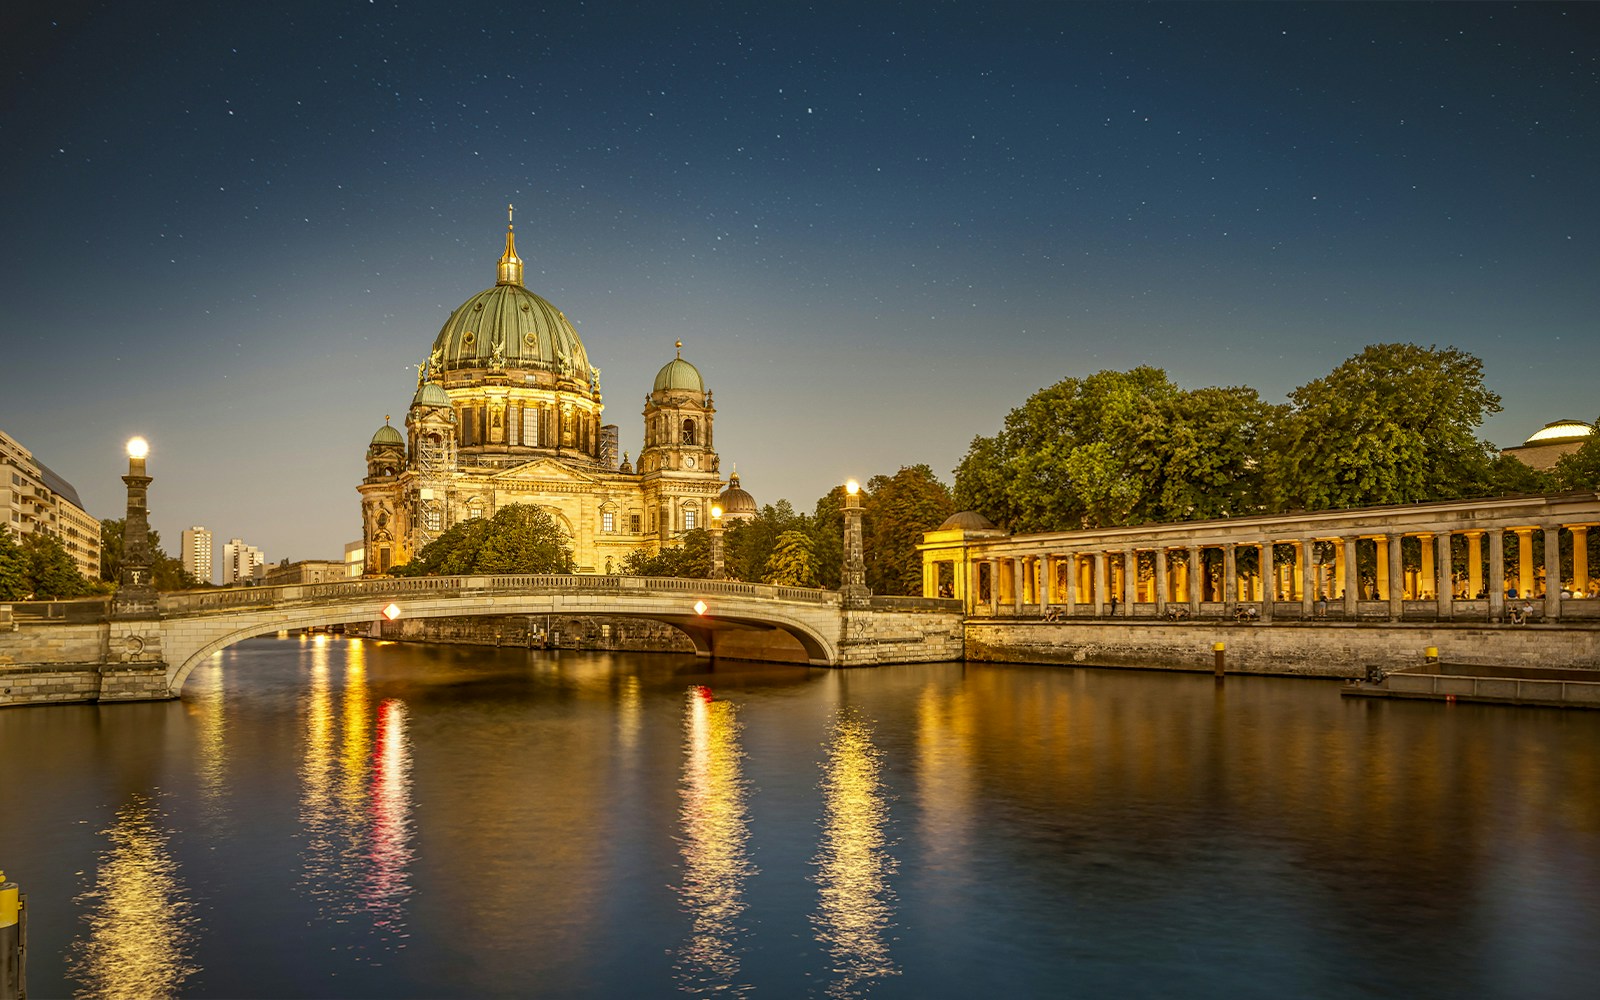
1461	559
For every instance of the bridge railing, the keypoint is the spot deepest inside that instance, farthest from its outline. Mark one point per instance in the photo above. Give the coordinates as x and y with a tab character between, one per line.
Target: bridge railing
200	602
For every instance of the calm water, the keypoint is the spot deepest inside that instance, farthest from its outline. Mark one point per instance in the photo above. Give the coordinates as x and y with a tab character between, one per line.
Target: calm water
326	817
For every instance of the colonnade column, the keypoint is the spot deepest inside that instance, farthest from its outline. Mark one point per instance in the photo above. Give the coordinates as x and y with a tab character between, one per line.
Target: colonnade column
1396	577
1046	582
1474	564
1196	573
1524	563
1497	575
1552	573
1380	567
1072	582
1444	585
1161	579
1351	580
1425	573
994	587
1097	582
1269	579
1016	584
1580	560
1230	578
1130	578
1309	585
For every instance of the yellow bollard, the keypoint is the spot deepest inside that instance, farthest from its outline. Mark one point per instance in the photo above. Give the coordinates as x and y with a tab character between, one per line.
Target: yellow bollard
1430	654
11	941
1219	651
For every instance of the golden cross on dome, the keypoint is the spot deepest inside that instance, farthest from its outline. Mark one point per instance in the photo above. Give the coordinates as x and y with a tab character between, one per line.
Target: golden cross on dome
509	219
679	346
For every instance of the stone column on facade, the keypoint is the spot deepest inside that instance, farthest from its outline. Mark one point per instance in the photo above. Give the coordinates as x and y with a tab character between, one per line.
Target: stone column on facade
1425	570
1580	560
1017	584
1552	572
1097	582
1130	578
1309	585
1380	568
1396	597
1161	579
1474	564
1524	563
1196	573
1046	582
1230	578
1071	594
1443	584
1497	574
1351	581
1266	561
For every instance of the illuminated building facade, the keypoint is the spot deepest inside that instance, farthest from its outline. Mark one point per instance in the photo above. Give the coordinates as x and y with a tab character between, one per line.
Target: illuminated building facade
508	410
196	553
33	498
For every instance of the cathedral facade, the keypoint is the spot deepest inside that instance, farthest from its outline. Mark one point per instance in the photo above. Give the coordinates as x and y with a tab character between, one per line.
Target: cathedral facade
508	410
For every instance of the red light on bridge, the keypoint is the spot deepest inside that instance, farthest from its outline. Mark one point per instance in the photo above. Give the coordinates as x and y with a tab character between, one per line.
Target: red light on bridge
392	612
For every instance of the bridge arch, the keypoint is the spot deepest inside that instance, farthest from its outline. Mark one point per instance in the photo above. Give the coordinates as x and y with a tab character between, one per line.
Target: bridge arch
198	624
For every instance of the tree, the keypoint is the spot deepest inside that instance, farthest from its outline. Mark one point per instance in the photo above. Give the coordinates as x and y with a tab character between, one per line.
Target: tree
13	568
827	538
790	564
519	538
1393	424
166	572
1581	469
690	560
897	510
1119	448
50	574
747	545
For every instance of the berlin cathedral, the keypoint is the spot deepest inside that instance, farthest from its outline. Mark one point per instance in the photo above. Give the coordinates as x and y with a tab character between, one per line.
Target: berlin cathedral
508	410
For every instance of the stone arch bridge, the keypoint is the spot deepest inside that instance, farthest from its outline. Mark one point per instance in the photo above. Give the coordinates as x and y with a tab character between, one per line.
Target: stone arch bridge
152	657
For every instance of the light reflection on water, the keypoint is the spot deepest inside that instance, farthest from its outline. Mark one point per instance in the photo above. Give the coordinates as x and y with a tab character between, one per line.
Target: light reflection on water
855	902
713	845
139	941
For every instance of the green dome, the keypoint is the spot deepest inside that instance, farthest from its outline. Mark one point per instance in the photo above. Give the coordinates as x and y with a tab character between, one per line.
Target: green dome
388	435
431	394
531	334
681	375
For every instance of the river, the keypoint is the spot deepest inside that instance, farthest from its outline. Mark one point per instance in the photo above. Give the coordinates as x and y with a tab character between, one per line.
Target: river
322	816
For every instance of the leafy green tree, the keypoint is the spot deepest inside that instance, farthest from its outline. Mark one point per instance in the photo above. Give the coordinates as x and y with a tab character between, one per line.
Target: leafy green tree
1509	475
1119	448
791	562
1393	424
896	511
111	549
167	572
50	573
519	538
748	544
13	568
1581	469
827	538
691	560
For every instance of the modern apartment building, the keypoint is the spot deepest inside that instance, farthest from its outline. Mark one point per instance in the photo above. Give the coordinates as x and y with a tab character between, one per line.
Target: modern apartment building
33	498
197	553
242	564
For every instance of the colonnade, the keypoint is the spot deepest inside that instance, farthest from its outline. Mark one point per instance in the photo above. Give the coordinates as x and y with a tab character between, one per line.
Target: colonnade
1449	561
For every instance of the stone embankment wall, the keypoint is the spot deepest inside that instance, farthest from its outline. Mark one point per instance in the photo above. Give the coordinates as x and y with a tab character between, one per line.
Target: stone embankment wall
1318	650
883	636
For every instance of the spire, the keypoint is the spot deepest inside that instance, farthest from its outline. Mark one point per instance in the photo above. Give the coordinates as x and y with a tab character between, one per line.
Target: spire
679	346
510	271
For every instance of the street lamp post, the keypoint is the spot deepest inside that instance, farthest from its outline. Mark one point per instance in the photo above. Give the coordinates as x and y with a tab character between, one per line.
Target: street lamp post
136	592
717	568
853	582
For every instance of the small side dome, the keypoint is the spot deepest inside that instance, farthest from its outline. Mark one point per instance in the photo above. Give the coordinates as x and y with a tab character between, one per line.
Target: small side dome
388	435
736	502
431	394
967	520
1561	430
679	375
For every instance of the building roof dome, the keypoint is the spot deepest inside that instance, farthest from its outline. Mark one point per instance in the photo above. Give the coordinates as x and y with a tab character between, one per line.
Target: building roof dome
680	375
508	328
430	394
967	520
1561	430
735	500
388	435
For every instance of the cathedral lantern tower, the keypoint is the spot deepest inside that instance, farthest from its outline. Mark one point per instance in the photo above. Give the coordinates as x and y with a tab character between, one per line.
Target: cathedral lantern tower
679	456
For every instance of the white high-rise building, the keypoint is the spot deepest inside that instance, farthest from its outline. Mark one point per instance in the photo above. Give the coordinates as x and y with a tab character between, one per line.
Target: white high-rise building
240	562
197	553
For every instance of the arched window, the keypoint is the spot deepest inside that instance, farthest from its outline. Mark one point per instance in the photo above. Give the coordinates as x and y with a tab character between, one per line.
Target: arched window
688	431
689	518
474	509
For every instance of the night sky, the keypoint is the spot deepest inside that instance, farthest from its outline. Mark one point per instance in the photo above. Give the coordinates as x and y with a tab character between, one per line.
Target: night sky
235	228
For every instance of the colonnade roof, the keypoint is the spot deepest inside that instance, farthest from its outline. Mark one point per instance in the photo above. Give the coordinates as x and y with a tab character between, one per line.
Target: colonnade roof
1481	514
